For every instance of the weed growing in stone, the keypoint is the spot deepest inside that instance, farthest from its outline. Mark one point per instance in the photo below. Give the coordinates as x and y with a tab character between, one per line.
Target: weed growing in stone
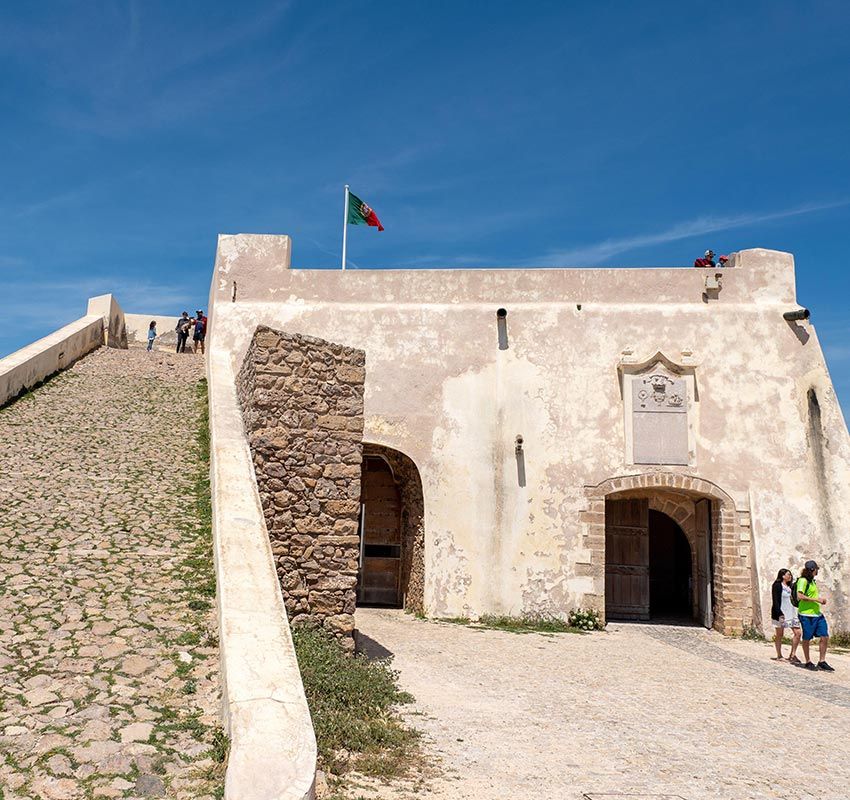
353	703
524	623
455	620
527	623
751	633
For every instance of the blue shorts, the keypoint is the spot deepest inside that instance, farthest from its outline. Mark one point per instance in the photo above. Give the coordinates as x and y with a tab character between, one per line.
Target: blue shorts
813	627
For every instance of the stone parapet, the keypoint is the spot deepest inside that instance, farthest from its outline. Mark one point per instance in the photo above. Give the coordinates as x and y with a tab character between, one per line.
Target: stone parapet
114	327
273	748
27	367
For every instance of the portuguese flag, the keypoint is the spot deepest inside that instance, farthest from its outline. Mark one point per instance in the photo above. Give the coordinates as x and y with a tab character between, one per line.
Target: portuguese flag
361	214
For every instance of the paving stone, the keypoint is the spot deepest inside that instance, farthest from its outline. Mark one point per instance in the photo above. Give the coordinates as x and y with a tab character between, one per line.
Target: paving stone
97	469
39	697
150	786
136	665
59	765
96	731
56	788
137	732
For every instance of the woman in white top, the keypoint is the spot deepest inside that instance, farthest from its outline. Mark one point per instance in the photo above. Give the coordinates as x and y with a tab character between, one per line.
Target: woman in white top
784	615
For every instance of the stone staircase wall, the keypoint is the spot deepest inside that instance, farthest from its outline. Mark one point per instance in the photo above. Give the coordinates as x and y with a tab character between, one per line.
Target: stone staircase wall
302	403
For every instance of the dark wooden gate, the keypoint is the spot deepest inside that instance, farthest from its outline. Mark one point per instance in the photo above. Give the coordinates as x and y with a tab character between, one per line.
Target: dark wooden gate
380	544
627	559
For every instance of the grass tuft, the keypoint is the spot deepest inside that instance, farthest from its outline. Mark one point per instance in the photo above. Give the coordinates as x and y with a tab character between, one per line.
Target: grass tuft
352	701
751	633
526	623
523	623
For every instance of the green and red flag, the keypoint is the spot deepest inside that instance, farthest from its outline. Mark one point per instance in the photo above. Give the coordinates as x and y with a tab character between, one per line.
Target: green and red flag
361	214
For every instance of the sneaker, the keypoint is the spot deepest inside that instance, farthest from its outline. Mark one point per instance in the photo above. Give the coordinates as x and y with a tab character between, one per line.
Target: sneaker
825	667
810	665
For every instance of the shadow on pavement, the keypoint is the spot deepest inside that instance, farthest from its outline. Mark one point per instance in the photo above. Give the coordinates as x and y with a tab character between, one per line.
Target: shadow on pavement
369	647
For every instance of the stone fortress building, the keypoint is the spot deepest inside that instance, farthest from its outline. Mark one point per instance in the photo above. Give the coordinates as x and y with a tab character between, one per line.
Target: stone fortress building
651	443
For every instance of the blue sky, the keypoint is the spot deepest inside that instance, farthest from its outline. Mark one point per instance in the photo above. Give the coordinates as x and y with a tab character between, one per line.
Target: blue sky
484	134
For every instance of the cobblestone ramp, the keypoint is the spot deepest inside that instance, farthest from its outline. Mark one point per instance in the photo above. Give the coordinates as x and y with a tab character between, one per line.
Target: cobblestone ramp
108	654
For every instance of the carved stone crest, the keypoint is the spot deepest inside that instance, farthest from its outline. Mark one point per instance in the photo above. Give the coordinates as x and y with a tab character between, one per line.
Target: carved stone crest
659	418
658	392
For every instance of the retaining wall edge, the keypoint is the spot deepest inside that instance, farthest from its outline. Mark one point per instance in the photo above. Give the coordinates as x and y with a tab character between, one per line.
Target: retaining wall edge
265	712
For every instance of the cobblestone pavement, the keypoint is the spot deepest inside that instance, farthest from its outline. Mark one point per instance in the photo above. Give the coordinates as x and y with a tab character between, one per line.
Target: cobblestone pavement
637	711
108	654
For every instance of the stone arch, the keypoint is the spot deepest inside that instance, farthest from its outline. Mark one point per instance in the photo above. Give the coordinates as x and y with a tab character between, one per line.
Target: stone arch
675	494
407	477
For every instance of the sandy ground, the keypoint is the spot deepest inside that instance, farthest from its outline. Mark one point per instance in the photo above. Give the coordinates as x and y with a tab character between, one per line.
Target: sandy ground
637	711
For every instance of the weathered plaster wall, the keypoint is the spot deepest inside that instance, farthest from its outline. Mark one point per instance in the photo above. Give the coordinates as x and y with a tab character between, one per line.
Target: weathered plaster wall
166	335
440	390
302	402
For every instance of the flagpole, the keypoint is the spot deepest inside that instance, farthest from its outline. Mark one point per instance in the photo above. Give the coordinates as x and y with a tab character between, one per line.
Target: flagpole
345	226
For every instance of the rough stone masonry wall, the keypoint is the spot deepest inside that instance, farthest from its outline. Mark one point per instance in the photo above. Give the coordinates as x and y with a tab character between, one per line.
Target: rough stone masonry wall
302	403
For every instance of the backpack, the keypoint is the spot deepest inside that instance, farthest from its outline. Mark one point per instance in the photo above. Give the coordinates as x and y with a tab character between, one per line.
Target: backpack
795	600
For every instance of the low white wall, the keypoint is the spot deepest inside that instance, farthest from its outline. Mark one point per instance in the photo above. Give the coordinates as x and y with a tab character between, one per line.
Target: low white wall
114	329
25	368
273	748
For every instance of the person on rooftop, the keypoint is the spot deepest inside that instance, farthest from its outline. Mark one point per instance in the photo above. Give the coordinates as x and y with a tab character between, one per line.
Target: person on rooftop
707	260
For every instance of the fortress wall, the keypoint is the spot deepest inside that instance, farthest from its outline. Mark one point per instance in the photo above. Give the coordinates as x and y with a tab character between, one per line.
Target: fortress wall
25	368
439	389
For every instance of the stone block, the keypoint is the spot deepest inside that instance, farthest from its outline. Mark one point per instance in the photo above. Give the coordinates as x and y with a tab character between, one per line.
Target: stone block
349	373
341	624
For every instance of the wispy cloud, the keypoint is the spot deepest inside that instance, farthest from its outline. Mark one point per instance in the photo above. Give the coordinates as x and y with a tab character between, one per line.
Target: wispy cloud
152	71
390	172
48	203
459	260
836	353
66	298
588	255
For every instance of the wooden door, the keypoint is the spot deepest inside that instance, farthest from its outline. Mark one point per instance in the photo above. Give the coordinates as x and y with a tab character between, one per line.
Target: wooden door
380	546
627	559
702	525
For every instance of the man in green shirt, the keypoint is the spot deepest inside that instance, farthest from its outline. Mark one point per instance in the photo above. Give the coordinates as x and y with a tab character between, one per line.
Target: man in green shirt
813	622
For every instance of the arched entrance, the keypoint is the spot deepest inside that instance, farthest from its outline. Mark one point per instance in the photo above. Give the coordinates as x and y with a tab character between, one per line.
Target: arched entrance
391	529
617	536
